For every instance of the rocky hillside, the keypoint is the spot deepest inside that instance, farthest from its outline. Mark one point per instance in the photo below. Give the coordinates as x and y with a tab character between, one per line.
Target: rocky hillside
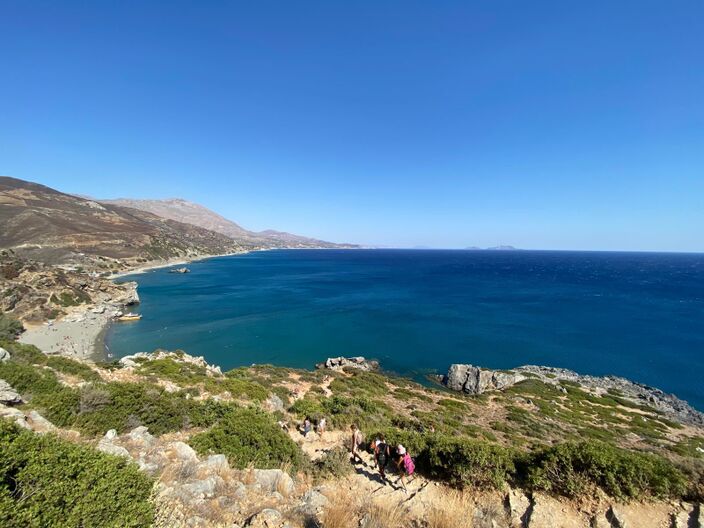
50	226
181	443
34	292
195	214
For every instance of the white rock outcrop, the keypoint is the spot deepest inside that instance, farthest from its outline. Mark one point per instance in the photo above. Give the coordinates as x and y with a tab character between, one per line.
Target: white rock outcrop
475	380
8	395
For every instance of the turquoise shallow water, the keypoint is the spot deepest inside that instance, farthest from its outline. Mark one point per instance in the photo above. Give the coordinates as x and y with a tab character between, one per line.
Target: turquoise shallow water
636	315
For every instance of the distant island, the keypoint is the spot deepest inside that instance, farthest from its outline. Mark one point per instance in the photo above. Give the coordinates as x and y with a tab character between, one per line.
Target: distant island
494	248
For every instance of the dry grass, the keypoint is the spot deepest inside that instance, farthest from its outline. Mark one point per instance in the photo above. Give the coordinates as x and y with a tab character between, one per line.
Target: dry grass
450	509
282	483
385	515
178	472
341	511
248	475
304	481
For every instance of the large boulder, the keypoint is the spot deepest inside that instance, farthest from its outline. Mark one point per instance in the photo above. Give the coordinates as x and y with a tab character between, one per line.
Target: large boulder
204	488
273	480
40	424
108	447
8	395
475	380
4	354
183	452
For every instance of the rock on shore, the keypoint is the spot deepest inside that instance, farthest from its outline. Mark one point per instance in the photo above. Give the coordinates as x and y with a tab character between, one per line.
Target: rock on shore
339	363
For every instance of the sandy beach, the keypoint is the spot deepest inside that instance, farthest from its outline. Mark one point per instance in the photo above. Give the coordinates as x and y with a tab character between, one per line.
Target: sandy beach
79	334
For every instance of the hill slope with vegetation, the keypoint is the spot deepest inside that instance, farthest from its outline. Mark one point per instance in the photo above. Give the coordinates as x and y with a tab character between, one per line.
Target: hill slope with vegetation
50	226
221	448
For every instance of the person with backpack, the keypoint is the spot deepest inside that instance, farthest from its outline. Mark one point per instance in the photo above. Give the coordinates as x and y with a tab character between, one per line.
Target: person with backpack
357	440
381	455
306	428
405	466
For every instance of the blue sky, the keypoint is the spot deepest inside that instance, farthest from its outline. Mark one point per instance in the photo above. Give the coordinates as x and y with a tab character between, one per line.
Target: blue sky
562	125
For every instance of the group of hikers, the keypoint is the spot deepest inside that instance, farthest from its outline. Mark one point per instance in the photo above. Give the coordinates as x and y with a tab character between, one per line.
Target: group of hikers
383	455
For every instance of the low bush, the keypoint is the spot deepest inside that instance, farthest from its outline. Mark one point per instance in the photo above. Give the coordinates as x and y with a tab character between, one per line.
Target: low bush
73	368
575	468
10	327
46	481
74	297
249	436
457	460
334	463
21	353
176	371
360	382
123	406
472	463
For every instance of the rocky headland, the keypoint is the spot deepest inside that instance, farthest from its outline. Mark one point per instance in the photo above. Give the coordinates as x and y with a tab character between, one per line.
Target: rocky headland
476	380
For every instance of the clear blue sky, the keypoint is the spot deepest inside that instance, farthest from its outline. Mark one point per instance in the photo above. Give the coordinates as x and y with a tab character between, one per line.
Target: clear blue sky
448	124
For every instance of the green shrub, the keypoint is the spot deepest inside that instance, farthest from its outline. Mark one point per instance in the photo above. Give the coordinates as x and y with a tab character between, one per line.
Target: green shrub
128	405
70	298
249	436
307	407
41	388
46	481
360	383
72	367
469	463
10	327
574	468
240	388
22	353
460	461
335	463
176	371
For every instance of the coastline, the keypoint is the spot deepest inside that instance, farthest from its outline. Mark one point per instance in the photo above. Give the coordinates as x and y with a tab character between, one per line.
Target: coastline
174	262
81	333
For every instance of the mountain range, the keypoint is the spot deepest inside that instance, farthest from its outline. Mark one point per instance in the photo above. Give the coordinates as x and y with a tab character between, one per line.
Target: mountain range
191	213
58	228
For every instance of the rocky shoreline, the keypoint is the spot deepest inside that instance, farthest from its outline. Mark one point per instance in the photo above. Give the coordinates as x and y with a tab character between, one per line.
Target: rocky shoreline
475	380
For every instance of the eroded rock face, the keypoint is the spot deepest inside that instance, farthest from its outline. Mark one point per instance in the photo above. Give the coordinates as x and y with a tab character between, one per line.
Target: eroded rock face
339	363
475	380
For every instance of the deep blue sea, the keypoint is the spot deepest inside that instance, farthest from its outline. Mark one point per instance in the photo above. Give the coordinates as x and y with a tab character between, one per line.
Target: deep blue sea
638	315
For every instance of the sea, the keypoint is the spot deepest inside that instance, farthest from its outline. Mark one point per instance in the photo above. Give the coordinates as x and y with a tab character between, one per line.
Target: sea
636	315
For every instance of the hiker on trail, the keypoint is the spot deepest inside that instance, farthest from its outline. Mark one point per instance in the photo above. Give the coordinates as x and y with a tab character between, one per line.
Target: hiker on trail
321	426
381	455
357	440
405	466
306	427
